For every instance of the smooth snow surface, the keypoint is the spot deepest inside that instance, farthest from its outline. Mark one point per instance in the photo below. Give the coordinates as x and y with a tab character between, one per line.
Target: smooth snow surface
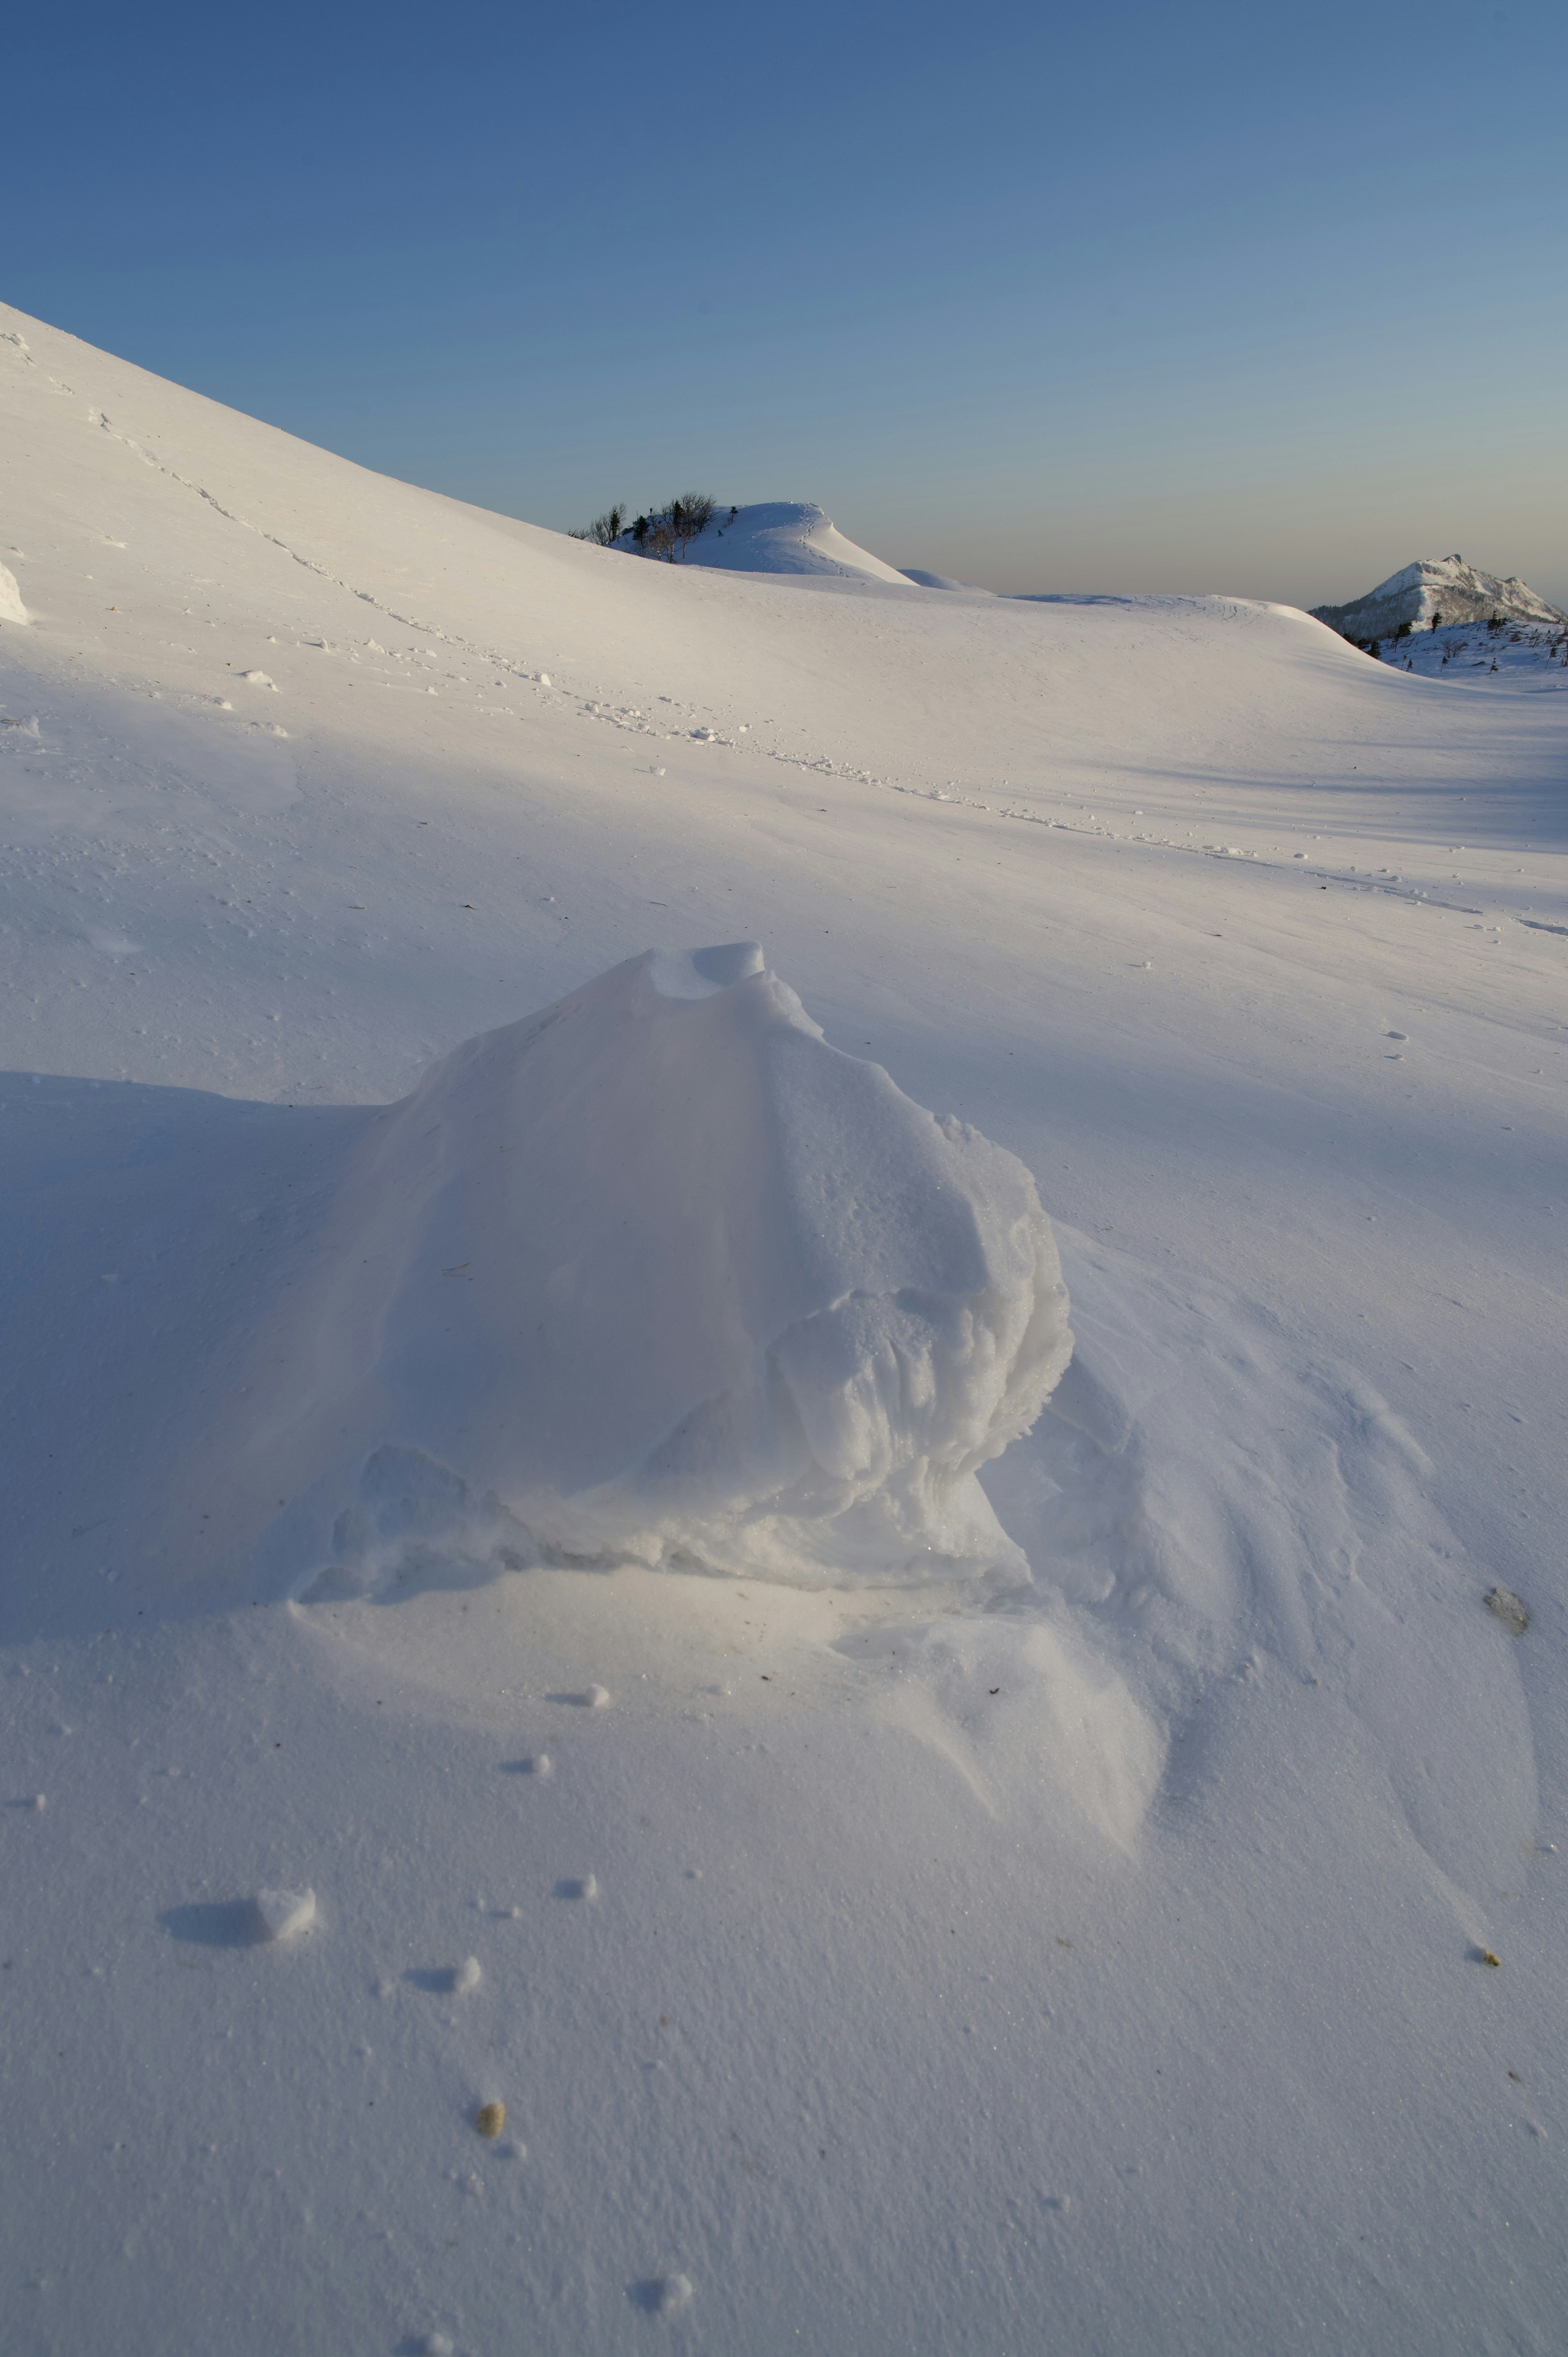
784	536
948	1963
941	581
658	1276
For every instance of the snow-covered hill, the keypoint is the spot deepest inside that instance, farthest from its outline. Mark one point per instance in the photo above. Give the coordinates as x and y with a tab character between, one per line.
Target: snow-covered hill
1437	590
900	1954
779	536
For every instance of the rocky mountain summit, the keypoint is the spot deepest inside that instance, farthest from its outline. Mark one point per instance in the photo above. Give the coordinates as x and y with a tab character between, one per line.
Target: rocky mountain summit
1433	591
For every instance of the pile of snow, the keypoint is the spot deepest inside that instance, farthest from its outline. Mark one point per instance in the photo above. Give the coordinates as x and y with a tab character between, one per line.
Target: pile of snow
782	536
283	1914
1431	588
11	607
660	1275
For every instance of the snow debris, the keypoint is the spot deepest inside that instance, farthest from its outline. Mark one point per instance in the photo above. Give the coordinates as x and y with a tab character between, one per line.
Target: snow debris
1509	1610
466	1978
667	2295
596	1697
283	1914
256	679
585	1886
773	1315
11	607
438	2344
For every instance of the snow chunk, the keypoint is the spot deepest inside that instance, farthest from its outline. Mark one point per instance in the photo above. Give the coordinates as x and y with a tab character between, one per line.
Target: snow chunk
256	679
660	1275
467	1976
1510	1610
11	607
666	2295
282	1914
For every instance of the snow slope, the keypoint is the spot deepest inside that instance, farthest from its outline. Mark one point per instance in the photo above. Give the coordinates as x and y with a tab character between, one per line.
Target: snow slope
1521	653
862	1967
1443	588
783	536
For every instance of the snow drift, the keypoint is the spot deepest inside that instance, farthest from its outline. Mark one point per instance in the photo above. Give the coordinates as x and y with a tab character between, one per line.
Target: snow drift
658	1274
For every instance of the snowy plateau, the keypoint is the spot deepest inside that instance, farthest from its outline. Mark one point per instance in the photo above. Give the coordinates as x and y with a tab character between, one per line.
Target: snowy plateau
778	1574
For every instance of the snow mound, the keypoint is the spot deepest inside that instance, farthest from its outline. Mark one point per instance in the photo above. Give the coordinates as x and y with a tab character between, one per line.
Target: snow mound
1432	588
658	1276
785	536
11	607
284	1914
923	580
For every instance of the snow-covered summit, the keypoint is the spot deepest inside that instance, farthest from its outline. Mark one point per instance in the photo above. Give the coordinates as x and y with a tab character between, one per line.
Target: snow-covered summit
1434	586
782	536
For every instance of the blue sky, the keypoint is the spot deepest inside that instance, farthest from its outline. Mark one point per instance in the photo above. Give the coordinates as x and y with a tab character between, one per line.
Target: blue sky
1252	298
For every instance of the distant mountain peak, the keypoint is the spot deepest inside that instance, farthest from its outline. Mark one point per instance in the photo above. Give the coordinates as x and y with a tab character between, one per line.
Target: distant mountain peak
1434	587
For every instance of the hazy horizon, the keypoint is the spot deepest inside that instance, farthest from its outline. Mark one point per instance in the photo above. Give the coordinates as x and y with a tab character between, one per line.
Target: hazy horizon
1044	304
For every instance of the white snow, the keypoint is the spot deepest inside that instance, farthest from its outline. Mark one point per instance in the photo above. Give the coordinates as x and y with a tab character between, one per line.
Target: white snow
1439	590
1098	1954
657	1275
11	607
283	1914
942	581
1520	654
784	536
667	2295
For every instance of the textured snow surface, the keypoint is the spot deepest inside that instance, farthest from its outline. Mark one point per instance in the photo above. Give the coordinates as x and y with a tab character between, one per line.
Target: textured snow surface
660	1274
951	1963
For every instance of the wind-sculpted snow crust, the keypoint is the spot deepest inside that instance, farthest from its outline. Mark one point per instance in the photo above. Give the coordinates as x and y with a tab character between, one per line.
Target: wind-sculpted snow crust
658	1276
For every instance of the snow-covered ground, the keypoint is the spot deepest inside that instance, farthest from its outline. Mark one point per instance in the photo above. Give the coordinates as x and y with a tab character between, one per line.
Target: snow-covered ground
1521	653
873	1960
